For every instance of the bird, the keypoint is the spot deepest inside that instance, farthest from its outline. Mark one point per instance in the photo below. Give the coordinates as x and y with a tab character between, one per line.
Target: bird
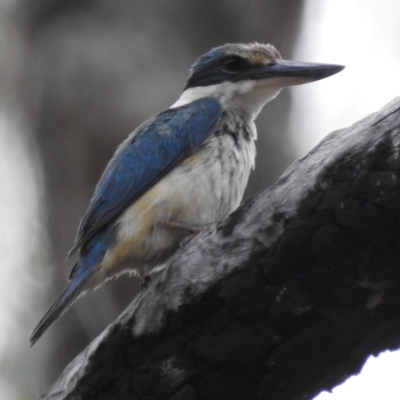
180	171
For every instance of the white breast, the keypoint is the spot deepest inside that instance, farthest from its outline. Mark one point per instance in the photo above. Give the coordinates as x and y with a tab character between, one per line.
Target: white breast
204	189
210	185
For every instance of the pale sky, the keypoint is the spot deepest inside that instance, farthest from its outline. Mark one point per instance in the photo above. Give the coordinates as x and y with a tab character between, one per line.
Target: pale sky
379	380
363	35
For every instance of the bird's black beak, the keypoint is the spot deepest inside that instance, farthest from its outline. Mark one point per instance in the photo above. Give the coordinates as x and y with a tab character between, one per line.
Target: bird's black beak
288	73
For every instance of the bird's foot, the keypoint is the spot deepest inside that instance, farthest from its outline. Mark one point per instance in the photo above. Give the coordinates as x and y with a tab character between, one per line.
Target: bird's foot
193	229
146	280
187	226
185	241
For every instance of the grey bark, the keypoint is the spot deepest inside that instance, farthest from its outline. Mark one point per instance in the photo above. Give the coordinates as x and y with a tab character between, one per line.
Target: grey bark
287	297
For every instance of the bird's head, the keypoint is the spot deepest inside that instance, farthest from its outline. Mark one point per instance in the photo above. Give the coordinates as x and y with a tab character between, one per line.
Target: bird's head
246	76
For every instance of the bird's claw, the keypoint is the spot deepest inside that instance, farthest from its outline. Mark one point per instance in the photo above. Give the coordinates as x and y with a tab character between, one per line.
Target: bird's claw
146	280
185	241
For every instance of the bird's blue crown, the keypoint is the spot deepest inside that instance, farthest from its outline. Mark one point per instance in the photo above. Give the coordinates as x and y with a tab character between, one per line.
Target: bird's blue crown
224	62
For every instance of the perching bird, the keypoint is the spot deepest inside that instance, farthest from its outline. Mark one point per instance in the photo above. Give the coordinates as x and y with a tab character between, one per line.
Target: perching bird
181	170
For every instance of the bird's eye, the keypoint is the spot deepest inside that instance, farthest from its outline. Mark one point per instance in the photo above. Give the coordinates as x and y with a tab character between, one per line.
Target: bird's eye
232	65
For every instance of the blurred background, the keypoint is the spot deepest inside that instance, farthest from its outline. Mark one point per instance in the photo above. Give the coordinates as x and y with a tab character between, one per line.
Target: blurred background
77	76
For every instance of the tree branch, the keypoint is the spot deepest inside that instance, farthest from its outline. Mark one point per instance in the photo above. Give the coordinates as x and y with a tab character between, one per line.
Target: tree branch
287	297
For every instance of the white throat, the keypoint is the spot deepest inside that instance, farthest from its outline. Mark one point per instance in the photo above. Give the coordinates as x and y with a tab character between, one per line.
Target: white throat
248	96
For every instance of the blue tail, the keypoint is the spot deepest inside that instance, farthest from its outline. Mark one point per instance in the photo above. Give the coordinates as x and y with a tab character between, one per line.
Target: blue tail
93	254
58	308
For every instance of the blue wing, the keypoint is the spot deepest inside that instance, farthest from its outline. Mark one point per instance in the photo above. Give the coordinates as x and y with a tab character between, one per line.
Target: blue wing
147	155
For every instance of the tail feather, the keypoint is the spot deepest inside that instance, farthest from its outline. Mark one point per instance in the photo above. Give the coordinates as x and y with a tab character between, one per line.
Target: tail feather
58	308
93	255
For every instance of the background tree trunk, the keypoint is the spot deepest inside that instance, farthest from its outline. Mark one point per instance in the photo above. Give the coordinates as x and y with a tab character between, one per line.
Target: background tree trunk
285	298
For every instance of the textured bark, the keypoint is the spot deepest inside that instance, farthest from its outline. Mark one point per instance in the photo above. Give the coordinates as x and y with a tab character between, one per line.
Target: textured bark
287	297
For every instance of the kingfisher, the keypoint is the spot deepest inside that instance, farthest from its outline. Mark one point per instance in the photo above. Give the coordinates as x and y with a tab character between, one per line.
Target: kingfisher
180	171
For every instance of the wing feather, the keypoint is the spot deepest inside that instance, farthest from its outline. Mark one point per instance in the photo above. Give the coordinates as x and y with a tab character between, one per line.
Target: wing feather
148	154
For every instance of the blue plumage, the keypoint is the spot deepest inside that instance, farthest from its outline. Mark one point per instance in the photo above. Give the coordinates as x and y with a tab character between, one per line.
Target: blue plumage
146	156
94	253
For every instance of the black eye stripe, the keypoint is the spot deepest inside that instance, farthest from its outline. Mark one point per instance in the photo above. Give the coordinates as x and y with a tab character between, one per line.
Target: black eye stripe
233	65
228	68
